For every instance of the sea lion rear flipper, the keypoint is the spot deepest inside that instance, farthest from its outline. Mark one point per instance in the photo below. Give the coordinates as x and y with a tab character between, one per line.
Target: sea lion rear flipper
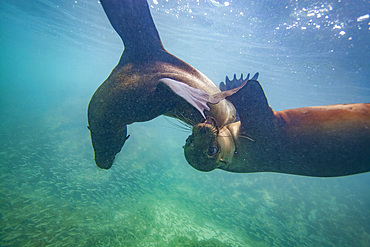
194	96
134	24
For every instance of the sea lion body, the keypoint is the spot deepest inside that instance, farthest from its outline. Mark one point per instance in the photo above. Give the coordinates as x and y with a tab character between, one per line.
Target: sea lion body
146	83
320	141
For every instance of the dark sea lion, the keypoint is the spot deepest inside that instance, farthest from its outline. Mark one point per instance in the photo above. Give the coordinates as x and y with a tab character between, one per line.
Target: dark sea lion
320	141
147	82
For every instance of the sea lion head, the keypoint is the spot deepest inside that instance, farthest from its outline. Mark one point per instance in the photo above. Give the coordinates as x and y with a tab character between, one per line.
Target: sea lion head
209	147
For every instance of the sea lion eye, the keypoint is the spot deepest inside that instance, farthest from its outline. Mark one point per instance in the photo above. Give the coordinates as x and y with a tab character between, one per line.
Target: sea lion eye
212	151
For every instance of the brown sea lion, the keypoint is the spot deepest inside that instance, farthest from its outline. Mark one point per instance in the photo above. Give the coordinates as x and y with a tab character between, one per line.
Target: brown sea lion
319	141
147	82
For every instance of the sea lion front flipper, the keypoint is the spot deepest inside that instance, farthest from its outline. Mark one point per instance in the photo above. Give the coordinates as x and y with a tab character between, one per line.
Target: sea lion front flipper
230	88
194	96
227	85
252	106
249	100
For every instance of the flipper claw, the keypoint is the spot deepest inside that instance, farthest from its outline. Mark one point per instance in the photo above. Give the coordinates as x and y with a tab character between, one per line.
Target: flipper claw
255	76
231	84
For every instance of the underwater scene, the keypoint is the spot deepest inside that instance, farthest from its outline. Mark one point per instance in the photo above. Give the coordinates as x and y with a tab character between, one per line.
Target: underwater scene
54	54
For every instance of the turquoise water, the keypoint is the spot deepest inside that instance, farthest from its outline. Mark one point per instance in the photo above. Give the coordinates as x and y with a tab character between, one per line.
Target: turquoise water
54	54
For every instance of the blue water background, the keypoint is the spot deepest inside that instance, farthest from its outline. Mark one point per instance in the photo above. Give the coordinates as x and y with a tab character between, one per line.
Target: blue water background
54	54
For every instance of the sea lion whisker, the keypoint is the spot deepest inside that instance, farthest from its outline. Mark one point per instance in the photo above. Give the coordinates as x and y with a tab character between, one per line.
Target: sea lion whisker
246	137
229	136
189	123
184	125
179	125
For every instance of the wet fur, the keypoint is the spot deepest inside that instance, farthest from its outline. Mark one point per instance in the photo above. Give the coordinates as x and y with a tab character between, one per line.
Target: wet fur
133	91
321	141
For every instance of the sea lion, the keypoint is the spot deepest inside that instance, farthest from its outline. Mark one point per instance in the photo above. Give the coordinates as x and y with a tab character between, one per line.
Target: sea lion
319	141
147	82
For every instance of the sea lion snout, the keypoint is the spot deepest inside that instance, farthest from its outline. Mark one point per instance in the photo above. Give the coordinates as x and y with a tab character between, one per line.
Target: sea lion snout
106	145
104	161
